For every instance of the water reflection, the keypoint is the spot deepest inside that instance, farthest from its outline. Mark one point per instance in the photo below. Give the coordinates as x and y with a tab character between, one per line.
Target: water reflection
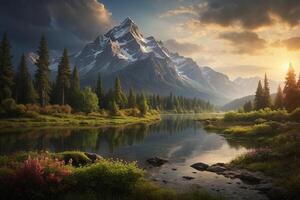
179	138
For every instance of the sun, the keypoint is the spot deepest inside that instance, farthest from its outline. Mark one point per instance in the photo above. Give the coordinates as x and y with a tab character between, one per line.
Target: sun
285	66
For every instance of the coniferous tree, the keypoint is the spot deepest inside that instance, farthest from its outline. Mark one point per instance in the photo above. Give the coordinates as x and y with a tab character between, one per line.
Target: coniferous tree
75	93
6	69
266	93
63	77
289	91
131	99
99	91
259	95
119	96
24	90
248	106
42	76
113	108
143	105
279	100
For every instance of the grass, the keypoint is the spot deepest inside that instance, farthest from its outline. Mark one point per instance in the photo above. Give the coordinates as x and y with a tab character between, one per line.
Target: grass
75	120
46	176
276	139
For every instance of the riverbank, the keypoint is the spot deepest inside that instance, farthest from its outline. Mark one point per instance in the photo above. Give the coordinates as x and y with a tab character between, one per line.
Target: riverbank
80	175
274	138
76	120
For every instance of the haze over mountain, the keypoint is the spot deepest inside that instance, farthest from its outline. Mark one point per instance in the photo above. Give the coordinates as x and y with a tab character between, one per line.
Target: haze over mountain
145	64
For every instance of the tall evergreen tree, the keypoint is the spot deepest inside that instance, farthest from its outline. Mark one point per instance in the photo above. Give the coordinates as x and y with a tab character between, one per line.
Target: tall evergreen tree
6	69
143	105
266	95
99	90
63	77
42	76
24	90
279	101
289	91
75	93
119	95
259	95
248	106
131	99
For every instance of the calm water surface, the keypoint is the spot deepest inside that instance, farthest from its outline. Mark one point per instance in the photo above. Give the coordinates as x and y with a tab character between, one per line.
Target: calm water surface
177	138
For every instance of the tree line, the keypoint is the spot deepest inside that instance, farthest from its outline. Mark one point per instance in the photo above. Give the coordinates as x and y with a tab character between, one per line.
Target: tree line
66	89
288	98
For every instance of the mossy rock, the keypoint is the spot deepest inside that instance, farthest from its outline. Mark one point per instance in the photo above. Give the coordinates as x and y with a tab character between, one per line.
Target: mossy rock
75	157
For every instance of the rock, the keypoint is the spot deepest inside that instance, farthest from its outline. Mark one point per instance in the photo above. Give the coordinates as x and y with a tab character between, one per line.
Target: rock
249	177
216	168
93	156
165	182
264	187
188	177
174	169
200	166
157	161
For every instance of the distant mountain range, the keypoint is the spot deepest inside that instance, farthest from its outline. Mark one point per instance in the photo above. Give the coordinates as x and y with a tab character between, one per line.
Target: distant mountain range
239	103
145	64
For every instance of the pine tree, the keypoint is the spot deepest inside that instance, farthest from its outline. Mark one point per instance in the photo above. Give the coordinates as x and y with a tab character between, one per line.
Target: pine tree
99	90
24	90
266	96
248	106
63	77
119	95
6	69
279	100
42	76
289	91
258	101
75	93
143	105
113	108
131	99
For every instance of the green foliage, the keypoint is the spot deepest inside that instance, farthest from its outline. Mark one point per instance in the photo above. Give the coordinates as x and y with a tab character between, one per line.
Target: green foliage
24	89
106	178
9	108
89	102
267	114
6	69
131	99
248	106
290	90
266	101
63	77
295	115
259	95
99	91
42	75
279	99
119	96
114	109
75	95
143	105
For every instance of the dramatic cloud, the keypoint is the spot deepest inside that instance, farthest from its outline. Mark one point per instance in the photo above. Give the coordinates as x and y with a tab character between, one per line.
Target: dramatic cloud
250	14
184	48
291	44
65	23
182	10
244	42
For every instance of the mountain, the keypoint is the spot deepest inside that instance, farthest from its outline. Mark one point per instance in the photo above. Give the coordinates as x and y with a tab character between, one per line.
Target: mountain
239	103
146	65
249	85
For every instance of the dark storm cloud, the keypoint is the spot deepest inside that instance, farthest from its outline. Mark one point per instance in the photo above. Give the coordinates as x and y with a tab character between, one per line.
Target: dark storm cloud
250	14
66	23
184	48
244	42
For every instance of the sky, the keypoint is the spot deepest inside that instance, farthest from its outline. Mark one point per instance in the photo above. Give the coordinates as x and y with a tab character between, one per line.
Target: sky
237	37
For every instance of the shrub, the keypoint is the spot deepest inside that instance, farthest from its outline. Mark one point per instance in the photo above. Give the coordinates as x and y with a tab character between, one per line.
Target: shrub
266	114
9	108
107	178
295	115
55	109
